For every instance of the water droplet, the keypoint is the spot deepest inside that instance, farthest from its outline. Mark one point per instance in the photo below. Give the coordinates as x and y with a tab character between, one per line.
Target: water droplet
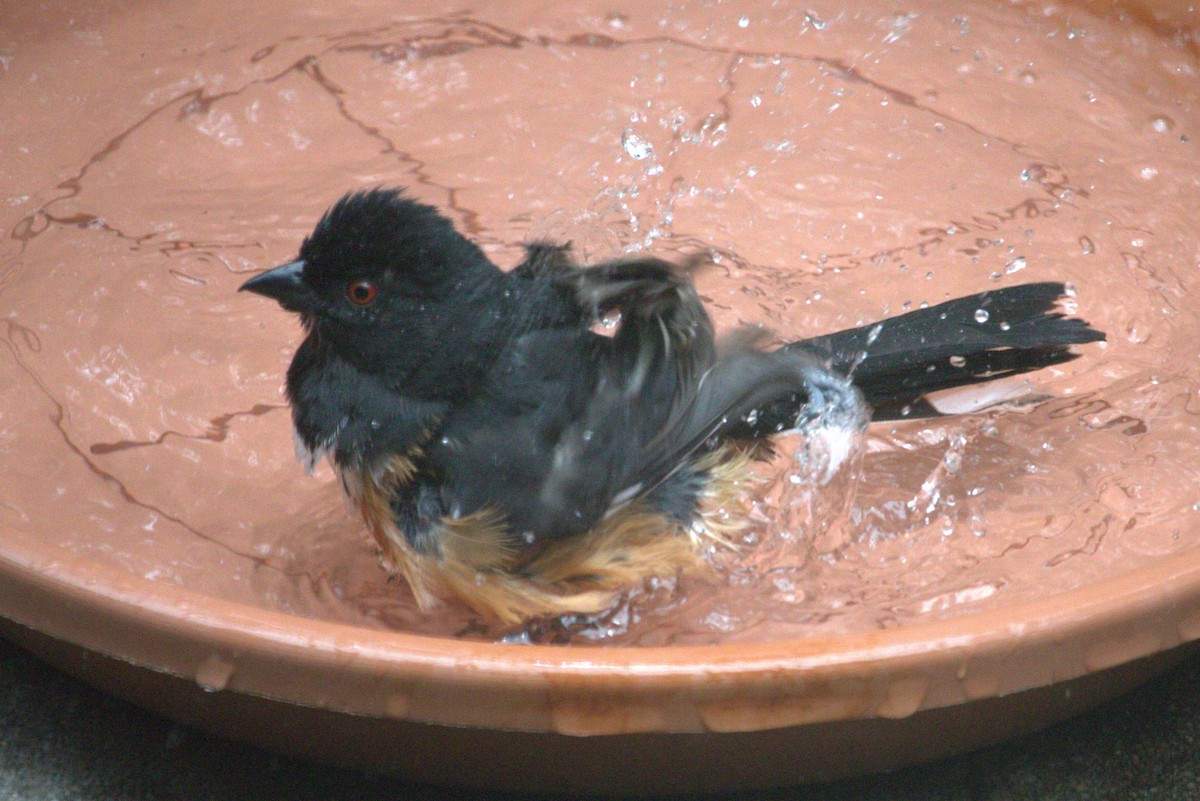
1004	326
721	620
1086	245
214	673
1161	123
637	147
1027	77
812	19
1034	172
744	22
958	361
616	20
1015	266
981	315
1148	173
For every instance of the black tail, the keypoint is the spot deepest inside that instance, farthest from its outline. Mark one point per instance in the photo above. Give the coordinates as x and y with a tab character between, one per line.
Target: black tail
1004	332
895	363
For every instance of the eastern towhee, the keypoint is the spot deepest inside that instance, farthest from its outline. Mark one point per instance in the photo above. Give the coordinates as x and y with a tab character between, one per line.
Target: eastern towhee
506	451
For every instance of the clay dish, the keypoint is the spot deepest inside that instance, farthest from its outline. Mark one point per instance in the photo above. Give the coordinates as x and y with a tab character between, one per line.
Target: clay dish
965	580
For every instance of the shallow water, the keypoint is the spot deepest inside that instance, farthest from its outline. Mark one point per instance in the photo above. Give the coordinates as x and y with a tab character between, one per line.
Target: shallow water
840	165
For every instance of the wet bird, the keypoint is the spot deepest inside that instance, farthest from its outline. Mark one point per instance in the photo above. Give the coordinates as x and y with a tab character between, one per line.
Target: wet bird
506	451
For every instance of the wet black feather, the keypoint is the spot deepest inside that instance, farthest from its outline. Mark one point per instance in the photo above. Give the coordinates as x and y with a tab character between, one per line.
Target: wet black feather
505	399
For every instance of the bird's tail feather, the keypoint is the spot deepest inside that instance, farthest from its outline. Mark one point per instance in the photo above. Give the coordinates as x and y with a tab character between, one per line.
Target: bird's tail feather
977	338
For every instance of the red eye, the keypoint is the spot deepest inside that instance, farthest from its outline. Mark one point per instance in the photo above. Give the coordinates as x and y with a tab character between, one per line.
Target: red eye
362	293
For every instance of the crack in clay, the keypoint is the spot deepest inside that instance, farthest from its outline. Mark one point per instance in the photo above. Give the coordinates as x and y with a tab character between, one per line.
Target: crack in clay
26	229
92	222
310	67
502	37
1095	539
218	430
58	417
192	101
481	35
1039	172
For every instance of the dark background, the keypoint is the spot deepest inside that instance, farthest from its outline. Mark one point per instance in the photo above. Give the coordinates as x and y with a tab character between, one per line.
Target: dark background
60	739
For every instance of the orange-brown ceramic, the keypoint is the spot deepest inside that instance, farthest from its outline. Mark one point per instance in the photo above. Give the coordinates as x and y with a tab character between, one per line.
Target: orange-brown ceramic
962	580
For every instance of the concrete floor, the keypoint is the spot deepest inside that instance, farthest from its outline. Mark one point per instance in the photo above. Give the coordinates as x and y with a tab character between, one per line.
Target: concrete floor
60	739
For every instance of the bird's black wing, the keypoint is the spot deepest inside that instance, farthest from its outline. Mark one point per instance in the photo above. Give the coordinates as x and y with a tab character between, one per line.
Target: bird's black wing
543	441
572	426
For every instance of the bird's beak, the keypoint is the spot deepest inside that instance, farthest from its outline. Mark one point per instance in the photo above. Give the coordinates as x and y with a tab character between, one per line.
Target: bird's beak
284	284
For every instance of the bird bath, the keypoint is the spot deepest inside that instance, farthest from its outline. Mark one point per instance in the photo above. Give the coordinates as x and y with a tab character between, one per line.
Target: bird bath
965	579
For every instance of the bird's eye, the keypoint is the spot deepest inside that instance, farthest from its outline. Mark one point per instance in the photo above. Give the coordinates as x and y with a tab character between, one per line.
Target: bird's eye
361	293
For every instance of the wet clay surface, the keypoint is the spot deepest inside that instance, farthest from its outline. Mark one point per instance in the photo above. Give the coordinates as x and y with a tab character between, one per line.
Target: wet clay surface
841	165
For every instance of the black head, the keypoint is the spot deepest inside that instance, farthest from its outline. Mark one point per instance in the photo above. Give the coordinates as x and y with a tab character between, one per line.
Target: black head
374	257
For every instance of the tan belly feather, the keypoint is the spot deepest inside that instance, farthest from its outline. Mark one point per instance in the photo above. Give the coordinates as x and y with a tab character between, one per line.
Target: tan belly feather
481	563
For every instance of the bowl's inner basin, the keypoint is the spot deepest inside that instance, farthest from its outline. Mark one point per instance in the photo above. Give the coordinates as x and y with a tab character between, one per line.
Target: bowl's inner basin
843	165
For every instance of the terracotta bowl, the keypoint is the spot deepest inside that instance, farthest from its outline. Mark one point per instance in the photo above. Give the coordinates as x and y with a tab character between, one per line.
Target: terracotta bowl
597	719
167	549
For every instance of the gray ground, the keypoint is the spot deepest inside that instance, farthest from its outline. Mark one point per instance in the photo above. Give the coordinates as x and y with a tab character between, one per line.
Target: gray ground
60	739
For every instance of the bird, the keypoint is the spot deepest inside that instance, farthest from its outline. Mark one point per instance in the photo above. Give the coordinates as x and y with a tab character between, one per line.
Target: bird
538	441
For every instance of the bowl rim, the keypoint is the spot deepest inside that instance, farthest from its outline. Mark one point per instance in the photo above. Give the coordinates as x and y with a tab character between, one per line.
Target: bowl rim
593	689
